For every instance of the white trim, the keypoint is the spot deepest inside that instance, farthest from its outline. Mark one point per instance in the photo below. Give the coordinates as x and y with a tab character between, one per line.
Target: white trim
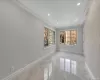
64	44
76	53
89	72
52	45
27	66
69	29
50	28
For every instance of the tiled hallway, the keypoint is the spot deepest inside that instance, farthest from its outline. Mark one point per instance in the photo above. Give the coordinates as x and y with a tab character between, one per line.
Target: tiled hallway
49	39
61	66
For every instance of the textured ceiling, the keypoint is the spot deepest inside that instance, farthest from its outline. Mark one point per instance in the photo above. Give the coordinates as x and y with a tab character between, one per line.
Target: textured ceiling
58	13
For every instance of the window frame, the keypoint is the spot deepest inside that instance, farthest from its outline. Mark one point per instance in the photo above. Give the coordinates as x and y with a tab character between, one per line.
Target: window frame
50	45
69	30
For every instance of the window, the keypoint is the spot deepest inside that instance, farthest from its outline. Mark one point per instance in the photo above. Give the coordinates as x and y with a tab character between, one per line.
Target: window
68	37
49	37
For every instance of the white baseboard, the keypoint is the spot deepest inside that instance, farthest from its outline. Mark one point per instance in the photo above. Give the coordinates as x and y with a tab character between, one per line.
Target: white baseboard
27	66
77	53
89	72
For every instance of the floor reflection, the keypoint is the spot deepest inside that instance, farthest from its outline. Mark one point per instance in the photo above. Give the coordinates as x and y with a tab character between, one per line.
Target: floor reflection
61	66
68	65
48	72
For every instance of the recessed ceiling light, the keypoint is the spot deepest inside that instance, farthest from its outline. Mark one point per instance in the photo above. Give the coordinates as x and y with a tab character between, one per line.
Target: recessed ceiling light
78	4
48	14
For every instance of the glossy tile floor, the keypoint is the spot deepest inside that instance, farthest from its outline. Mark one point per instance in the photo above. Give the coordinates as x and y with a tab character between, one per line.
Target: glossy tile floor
61	66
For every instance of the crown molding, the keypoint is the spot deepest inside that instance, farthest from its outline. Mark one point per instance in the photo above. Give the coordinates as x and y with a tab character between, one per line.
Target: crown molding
45	21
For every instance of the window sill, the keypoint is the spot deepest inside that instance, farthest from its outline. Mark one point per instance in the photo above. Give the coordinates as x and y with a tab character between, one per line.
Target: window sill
68	45
49	46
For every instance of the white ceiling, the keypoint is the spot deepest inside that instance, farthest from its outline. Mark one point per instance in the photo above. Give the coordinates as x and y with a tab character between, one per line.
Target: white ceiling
58	13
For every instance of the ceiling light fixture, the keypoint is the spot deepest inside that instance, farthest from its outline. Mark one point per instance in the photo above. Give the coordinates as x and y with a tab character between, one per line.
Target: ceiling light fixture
48	14
78	4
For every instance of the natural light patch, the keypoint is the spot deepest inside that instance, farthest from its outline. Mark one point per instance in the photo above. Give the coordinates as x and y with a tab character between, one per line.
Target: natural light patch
62	63
46	74
48	71
68	65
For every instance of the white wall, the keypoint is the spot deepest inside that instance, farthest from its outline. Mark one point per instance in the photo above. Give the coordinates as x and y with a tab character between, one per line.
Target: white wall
92	39
78	49
21	38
